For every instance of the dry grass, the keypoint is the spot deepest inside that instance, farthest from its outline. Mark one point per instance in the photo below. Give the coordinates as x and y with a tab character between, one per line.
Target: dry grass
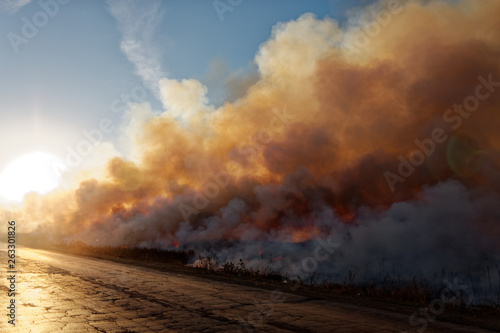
415	292
179	257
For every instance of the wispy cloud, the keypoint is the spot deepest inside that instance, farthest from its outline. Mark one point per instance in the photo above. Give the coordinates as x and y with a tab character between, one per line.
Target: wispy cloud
137	21
12	6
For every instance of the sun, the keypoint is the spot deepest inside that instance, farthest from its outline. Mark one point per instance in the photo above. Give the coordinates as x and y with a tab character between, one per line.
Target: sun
32	172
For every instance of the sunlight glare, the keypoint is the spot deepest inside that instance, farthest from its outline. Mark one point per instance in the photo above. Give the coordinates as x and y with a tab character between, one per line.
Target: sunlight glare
30	173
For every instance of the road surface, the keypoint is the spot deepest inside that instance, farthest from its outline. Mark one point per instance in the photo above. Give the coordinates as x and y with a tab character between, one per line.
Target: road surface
65	293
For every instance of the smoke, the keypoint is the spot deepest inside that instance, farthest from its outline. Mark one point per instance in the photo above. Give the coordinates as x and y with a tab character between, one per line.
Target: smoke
137	22
306	152
12	6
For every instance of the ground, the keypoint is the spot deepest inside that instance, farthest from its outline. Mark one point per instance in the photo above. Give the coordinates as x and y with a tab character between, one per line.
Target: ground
67	293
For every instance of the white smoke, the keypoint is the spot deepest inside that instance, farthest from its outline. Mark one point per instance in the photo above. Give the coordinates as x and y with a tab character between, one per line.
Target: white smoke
137	21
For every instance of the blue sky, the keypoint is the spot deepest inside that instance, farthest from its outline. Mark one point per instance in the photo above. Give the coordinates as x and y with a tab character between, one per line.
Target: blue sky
64	79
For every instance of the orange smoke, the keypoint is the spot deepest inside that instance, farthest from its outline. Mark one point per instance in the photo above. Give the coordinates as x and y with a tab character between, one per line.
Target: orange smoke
314	136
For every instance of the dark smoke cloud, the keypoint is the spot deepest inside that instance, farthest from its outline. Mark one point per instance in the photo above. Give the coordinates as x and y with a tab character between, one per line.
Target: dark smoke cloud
304	153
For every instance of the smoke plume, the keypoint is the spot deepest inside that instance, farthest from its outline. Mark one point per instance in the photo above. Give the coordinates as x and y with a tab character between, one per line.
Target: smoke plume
381	133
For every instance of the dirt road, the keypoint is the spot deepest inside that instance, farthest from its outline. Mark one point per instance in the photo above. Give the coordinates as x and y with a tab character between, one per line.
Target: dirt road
65	293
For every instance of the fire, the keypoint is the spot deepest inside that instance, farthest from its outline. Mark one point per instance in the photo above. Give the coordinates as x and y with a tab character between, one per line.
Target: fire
305	234
304	151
